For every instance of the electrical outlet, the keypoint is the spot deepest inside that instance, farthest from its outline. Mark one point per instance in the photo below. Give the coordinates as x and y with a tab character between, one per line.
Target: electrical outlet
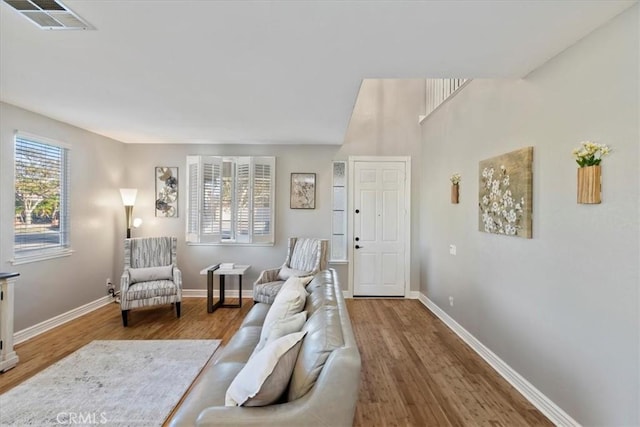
109	284
452	249
451	301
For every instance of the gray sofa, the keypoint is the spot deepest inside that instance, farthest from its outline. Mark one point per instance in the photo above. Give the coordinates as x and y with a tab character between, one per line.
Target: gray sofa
329	361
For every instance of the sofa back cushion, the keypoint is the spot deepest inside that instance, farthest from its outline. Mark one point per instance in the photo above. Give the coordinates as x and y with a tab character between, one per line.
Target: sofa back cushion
321	293
323	335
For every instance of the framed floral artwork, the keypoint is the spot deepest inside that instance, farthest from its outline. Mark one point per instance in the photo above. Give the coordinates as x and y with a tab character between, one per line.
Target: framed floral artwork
303	191
505	197
166	191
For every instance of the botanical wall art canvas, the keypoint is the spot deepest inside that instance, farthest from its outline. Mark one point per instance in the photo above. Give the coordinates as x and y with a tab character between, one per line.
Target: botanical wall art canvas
505	199
303	191
167	192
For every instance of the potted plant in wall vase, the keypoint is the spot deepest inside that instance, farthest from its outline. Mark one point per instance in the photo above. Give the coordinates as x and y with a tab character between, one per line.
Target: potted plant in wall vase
455	188
588	157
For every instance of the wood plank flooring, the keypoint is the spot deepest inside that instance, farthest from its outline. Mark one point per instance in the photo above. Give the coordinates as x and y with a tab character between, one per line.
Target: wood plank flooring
415	371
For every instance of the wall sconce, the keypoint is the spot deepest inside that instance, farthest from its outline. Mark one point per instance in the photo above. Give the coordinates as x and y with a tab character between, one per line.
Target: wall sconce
128	200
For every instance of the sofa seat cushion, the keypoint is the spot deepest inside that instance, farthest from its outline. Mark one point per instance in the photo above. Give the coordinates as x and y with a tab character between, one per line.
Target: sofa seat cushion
154	288
324	334
240	346
255	316
208	390
266	292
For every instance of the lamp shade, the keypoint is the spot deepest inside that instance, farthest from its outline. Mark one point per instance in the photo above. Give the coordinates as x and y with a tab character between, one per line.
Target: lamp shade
128	196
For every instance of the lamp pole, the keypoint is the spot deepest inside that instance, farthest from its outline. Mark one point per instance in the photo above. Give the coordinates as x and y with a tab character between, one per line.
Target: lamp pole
128	200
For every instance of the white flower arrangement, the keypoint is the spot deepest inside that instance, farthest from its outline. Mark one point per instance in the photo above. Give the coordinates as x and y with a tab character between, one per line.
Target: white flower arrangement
590	154
455	178
501	213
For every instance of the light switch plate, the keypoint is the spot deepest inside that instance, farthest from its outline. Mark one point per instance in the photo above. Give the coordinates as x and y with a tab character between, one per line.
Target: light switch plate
452	249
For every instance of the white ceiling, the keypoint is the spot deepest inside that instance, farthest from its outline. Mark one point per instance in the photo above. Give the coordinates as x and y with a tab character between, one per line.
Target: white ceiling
266	71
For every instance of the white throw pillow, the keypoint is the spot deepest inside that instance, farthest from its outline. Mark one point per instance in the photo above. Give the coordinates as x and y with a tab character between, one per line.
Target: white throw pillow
286	272
147	274
266	376
282	327
289	301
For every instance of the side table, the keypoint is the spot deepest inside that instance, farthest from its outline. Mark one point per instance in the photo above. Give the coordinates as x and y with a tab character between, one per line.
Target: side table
215	270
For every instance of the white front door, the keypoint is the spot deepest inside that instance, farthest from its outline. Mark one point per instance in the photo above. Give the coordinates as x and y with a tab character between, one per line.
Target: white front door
379	220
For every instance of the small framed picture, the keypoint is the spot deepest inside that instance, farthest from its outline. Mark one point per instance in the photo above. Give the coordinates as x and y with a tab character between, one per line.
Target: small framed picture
303	191
166	191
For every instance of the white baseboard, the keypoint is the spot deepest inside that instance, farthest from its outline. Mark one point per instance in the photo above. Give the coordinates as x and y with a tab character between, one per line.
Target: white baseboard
532	394
61	319
413	295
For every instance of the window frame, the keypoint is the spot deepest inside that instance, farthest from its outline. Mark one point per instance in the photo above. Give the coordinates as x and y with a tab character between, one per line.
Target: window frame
63	249
195	234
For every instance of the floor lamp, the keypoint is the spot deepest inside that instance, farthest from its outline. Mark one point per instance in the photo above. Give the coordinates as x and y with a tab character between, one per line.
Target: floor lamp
128	200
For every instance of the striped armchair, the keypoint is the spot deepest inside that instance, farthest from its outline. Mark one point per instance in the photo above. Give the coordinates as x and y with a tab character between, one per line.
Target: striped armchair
150	274
305	257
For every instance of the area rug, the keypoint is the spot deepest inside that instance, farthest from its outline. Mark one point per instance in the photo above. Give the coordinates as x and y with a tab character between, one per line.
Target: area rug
111	383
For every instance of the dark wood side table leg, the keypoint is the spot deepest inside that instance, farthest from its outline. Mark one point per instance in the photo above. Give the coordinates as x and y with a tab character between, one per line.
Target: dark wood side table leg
210	291
240	290
221	289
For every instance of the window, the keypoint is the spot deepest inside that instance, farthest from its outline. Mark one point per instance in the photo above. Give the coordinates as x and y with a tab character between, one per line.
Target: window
41	221
230	199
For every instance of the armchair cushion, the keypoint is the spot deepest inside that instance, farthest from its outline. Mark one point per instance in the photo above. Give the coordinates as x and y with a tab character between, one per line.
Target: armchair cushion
266	292
146	274
306	255
151	289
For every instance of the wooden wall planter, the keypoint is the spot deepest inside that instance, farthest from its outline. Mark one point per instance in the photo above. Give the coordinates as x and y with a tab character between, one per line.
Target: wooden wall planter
589	184
455	194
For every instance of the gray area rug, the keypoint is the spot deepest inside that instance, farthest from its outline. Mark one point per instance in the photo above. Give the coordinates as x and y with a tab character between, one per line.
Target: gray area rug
112	383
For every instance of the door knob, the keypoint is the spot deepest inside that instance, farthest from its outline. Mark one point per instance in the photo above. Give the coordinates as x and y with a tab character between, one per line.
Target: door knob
358	246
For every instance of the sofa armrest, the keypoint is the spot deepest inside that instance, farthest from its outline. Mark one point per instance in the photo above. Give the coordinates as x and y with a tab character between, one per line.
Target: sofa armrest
336	389
268	276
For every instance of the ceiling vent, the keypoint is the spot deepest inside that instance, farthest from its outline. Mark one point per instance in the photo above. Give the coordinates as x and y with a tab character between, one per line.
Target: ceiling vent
49	14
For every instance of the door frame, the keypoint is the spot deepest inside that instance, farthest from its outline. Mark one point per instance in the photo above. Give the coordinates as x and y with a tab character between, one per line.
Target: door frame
407	206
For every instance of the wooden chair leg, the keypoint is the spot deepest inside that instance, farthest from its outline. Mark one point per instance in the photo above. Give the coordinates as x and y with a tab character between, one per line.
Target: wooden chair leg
178	309
125	322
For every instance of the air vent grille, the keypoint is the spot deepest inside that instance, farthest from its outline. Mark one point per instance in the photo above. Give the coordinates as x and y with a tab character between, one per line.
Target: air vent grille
49	14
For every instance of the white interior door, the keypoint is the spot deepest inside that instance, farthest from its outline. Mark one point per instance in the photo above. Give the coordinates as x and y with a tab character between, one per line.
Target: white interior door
379	220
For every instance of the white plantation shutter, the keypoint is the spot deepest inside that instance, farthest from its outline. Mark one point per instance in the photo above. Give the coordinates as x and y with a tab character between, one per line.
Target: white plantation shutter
211	207
204	209
243	199
252	204
193	197
263	179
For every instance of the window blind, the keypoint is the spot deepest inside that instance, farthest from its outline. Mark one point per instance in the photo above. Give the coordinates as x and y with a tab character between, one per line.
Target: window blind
42	217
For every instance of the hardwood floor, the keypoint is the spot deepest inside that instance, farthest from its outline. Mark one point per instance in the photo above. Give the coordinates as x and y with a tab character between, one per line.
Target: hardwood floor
415	371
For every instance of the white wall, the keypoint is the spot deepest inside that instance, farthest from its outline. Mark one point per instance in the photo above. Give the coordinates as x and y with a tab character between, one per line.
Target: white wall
48	288
143	158
384	122
562	308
